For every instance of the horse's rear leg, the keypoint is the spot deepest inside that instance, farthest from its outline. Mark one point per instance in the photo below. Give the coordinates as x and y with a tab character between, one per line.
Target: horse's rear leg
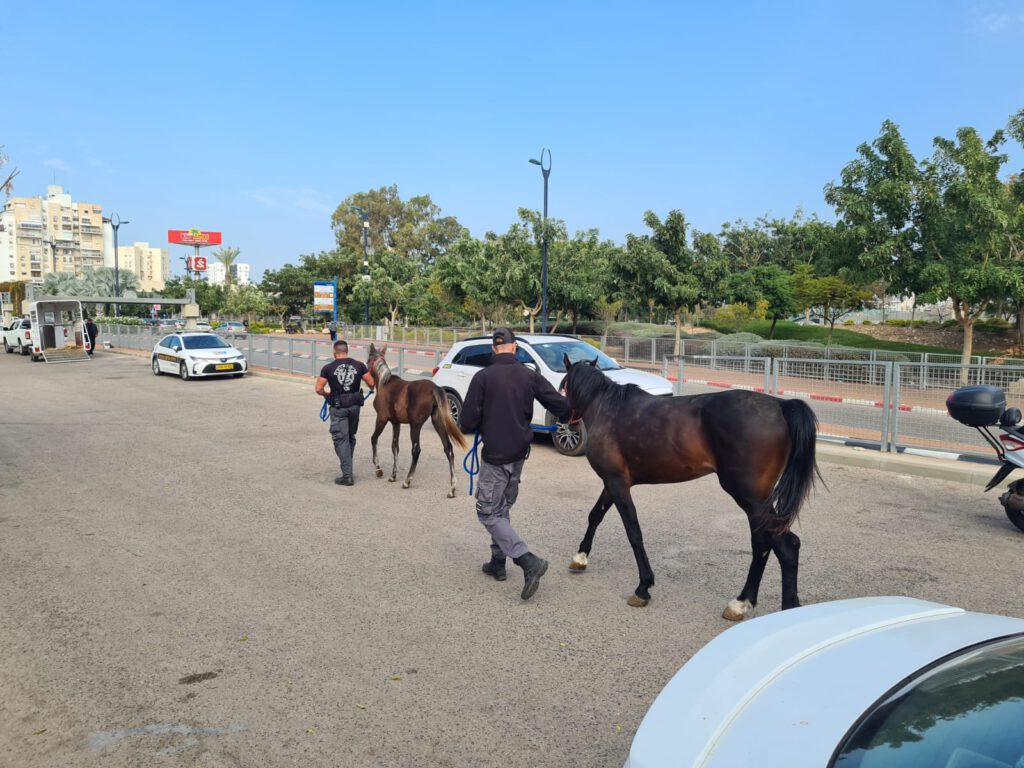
761	548
604	501
786	547
449	450
414	435
396	428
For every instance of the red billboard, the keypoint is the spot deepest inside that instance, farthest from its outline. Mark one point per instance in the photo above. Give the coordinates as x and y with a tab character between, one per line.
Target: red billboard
197	263
192	237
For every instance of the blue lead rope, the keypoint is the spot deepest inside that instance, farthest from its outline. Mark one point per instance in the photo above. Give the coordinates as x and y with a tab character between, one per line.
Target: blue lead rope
472	462
325	409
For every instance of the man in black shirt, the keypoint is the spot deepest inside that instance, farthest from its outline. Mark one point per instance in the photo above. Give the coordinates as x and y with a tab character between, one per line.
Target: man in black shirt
500	404
343	375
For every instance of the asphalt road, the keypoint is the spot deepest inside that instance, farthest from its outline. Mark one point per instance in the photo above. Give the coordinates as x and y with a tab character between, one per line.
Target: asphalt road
182	584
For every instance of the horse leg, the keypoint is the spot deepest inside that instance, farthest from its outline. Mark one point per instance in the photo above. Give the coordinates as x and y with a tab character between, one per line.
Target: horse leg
395	429
449	450
627	511
414	435
761	548
604	501
786	547
381	421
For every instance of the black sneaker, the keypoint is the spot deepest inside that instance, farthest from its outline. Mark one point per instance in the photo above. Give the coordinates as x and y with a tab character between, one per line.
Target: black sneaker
495	567
533	568
344	481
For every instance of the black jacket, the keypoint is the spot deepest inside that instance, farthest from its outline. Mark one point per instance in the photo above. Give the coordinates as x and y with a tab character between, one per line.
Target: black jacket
500	404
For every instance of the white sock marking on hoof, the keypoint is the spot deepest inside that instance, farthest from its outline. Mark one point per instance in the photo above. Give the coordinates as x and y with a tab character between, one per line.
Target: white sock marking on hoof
580	559
737	609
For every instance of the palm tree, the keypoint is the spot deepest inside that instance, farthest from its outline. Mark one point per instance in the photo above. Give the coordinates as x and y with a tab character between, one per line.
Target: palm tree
227	256
61	284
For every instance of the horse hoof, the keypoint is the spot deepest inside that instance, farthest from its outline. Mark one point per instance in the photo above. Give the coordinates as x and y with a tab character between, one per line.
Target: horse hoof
637	602
736	610
452	494
392	479
579	562
405	485
380	473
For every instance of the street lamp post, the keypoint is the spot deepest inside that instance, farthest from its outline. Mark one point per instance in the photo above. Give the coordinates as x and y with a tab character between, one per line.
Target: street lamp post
366	259
115	225
546	170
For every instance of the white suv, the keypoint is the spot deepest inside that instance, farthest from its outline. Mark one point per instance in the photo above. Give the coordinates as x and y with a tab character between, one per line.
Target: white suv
543	352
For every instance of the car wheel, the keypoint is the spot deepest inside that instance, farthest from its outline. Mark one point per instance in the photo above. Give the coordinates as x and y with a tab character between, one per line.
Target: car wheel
8	348
183	371
21	348
570	439
454	404
156	366
1016	517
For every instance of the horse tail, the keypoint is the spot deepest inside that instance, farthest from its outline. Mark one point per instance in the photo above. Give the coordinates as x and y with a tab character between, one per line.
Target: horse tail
447	420
797	478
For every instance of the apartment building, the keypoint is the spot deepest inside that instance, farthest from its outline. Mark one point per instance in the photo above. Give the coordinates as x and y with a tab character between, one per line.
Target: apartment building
40	235
151	265
216	274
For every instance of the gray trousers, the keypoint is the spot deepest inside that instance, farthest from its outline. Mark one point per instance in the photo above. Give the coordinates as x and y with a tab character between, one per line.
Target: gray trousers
344	423
497	490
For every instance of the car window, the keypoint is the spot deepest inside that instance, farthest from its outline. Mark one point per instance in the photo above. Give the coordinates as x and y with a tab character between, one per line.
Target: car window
965	711
205	341
524	357
478	355
174	343
166	341
552	352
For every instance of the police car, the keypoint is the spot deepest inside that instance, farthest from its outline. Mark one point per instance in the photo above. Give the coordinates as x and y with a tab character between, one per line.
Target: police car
194	354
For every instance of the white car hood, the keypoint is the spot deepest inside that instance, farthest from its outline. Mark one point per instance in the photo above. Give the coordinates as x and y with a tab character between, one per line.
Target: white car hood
649	382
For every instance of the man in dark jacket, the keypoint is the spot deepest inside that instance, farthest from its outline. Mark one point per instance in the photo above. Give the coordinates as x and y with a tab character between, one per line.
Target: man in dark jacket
92	332
500	404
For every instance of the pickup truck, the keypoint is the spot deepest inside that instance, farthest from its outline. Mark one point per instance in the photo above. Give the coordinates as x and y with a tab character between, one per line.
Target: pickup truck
18	336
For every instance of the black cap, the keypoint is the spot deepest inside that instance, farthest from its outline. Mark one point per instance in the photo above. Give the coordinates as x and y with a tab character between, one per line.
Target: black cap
503	336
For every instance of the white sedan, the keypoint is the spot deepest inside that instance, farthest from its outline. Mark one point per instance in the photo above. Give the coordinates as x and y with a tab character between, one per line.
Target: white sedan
874	682
195	354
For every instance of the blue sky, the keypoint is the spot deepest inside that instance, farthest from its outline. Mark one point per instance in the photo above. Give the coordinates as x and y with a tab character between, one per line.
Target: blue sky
258	122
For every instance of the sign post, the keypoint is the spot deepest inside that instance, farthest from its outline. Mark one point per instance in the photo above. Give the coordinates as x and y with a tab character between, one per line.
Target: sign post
325	297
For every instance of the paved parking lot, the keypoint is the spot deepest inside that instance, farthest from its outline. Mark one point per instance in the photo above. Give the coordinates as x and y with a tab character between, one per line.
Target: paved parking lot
181	583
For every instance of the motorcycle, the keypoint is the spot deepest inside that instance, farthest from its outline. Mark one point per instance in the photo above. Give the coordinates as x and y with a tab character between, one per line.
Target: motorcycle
983	407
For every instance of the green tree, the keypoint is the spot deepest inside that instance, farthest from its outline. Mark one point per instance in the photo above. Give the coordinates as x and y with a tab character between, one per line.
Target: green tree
876	202
835	296
964	222
210	298
247	301
468	274
767	283
227	256
578	275
415	228
392	281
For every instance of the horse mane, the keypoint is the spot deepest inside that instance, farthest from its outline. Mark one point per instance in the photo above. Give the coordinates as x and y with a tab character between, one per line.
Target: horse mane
590	384
381	370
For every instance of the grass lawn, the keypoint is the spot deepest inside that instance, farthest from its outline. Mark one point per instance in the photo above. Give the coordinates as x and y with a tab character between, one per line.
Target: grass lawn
841	337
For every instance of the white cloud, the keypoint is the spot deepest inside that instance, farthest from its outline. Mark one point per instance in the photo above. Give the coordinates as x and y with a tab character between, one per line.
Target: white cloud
996	22
56	164
310	203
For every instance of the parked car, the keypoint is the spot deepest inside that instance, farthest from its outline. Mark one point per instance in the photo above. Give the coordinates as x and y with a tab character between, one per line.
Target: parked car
876	682
543	352
193	354
232	330
203	325
18	336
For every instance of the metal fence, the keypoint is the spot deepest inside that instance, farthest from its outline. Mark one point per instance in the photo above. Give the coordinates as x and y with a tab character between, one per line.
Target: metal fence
892	404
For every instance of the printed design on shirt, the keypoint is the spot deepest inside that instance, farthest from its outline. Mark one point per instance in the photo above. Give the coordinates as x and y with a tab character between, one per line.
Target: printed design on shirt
346	375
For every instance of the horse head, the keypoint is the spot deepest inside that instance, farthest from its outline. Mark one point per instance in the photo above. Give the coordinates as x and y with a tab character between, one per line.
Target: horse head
374	360
578	372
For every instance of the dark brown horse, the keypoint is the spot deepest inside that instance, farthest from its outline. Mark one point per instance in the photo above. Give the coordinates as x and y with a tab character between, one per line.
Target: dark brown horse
410	402
762	449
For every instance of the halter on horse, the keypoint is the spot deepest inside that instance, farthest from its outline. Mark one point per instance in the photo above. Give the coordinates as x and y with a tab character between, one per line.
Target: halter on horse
761	447
410	402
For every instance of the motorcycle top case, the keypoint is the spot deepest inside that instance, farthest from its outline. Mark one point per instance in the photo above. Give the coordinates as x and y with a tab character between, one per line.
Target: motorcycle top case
977	406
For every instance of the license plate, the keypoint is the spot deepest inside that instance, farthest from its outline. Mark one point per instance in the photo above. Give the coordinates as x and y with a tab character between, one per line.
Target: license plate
228	367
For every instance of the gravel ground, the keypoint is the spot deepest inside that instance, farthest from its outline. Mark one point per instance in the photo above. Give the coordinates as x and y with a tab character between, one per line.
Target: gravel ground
181	583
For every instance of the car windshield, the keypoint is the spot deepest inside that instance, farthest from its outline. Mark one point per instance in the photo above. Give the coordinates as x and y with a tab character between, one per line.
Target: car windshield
552	352
204	341
965	712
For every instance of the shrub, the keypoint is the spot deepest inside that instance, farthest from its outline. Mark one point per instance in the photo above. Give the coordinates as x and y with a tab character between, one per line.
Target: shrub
866	322
950	324
993	325
730	318
847	322
258	327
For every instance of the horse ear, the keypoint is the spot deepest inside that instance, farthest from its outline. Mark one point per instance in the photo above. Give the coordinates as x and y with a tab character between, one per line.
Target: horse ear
566	361
384	349
373	350
593	362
